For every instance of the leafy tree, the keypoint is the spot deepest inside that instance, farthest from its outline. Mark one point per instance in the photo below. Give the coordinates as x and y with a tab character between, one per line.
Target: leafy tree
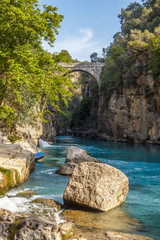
94	57
29	76
130	17
104	53
63	56
81	113
155	59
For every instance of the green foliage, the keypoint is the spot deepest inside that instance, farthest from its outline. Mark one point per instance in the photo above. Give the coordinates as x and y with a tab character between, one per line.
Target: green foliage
135	50
139	41
155	59
117	72
141	17
62	56
81	113
8	174
29	76
7	115
94	57
13	138
85	96
130	17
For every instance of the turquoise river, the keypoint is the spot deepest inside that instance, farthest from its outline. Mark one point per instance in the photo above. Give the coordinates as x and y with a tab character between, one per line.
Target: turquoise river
141	163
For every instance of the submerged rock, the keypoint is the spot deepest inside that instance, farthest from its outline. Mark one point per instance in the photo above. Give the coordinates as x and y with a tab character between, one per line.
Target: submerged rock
48	202
66	169
97	186
115	220
25	194
78	155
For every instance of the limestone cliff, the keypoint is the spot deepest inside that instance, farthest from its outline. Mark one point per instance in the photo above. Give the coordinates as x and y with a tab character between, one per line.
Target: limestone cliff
15	166
27	135
49	127
132	116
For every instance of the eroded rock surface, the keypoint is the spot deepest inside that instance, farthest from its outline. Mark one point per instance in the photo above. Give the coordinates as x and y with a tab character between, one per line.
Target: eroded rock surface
97	186
131	116
23	227
15	165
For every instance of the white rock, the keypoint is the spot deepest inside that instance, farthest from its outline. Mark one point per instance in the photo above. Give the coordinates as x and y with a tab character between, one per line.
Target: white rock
96	185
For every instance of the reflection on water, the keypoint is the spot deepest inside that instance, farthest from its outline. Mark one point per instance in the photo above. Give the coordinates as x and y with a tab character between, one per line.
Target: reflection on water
115	220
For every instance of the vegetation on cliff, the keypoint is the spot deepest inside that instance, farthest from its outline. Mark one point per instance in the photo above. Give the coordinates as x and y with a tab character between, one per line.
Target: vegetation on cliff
135	50
30	77
132	65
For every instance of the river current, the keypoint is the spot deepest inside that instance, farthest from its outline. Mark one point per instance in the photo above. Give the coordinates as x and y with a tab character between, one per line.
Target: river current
141	163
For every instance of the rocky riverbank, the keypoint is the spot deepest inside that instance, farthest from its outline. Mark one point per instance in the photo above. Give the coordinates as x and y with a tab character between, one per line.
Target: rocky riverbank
15	166
40	222
16	226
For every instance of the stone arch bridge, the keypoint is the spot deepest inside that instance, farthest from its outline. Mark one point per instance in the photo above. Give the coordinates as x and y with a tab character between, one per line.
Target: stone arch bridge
94	69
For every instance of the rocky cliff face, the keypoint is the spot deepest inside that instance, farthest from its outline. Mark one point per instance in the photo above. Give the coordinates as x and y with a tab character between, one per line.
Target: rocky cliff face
27	135
132	116
15	166
49	131
49	127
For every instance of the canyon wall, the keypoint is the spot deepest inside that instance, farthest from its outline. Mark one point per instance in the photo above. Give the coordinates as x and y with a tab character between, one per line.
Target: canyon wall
132	116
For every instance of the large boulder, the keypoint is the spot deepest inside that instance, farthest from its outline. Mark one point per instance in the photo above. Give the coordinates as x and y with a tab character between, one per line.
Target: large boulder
78	155
15	165
97	186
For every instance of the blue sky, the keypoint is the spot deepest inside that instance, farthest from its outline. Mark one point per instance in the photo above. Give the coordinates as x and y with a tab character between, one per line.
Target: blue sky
88	25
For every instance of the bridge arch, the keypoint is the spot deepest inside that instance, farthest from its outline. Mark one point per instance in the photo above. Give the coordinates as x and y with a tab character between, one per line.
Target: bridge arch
94	69
89	72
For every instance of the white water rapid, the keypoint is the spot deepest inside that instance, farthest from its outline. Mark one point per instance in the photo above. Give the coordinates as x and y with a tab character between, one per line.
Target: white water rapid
43	144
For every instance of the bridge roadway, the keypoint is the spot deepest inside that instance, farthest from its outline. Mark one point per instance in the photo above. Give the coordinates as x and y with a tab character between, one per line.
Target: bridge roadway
93	69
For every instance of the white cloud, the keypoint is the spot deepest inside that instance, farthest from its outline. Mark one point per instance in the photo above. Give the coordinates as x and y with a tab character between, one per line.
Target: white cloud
80	46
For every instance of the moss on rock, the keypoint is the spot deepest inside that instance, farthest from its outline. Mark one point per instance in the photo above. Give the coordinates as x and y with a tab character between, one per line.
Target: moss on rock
10	179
